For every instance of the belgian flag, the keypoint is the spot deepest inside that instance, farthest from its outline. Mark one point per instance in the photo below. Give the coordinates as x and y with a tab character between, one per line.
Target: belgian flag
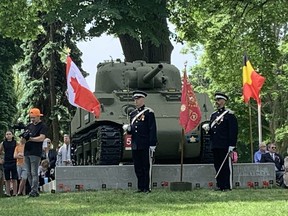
252	82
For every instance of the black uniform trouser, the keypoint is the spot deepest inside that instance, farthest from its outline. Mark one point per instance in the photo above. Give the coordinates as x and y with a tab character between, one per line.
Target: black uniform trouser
10	171
224	179
141	167
279	178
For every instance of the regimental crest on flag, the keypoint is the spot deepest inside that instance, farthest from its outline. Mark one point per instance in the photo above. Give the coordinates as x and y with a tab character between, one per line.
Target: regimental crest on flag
78	92
183	107
190	113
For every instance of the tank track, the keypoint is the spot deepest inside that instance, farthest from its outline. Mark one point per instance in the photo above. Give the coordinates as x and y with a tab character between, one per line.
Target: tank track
206	151
109	145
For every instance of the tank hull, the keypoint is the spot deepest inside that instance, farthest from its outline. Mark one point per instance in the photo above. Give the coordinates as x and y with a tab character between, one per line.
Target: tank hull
101	141
114	114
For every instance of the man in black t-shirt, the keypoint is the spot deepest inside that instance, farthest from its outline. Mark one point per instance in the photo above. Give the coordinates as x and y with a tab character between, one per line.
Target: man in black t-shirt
36	131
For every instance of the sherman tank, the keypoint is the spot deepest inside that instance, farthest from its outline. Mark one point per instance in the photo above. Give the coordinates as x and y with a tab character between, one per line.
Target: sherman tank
101	141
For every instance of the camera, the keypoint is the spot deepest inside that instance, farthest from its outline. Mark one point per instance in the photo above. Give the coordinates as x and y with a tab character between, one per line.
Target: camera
18	126
26	134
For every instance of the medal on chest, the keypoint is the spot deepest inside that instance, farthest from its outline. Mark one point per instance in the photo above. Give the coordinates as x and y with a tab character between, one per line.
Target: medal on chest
141	118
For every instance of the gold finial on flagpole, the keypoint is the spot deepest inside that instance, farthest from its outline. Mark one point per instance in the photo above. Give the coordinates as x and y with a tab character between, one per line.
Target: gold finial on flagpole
185	65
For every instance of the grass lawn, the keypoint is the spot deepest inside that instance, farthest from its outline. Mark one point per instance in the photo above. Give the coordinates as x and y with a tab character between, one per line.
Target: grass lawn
204	202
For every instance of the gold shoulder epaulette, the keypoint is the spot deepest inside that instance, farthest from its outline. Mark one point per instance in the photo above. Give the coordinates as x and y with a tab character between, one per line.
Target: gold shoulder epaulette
150	110
230	111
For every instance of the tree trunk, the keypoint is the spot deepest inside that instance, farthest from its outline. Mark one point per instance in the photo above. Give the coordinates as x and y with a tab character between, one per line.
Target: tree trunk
54	121
131	48
148	51
162	52
158	54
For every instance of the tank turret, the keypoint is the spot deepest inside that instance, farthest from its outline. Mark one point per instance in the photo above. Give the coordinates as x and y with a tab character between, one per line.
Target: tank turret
150	75
136	75
101	141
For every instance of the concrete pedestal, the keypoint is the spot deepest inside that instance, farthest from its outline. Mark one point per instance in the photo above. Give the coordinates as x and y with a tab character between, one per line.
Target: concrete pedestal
123	177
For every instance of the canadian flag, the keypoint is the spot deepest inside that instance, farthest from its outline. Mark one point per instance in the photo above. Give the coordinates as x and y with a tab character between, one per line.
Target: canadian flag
79	94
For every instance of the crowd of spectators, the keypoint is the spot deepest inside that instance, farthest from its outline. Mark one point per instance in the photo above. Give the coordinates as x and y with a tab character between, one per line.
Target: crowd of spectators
31	156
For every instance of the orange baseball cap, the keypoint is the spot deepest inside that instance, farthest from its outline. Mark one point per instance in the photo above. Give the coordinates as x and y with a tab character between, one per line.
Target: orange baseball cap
35	112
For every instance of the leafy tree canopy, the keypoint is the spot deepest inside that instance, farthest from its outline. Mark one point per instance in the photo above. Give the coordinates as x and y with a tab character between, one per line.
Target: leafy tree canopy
227	30
9	53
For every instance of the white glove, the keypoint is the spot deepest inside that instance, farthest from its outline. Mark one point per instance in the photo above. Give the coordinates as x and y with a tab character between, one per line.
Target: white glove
126	127
206	127
231	148
152	148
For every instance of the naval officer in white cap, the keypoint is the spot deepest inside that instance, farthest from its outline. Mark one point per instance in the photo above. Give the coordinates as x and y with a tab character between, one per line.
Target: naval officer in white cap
144	138
223	130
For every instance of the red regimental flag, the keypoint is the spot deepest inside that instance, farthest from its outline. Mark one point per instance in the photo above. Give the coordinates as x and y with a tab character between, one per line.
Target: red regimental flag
78	91
252	82
190	113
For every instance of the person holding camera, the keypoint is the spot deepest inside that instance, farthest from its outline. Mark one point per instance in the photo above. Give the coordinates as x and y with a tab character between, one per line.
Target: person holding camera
34	135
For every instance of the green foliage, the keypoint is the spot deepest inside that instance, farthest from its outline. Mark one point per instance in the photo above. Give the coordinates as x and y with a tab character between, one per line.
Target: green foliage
139	19
46	27
23	19
227	30
33	76
140	22
222	30
8	54
140	25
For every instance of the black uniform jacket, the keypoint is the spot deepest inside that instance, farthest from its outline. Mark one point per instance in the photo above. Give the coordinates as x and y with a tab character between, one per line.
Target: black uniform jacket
143	129
224	133
267	158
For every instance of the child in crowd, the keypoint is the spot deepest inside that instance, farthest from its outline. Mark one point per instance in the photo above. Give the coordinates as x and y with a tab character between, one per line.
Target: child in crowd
44	172
21	170
10	168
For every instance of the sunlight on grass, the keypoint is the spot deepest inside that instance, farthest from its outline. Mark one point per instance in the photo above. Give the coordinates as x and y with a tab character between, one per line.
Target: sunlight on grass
242	202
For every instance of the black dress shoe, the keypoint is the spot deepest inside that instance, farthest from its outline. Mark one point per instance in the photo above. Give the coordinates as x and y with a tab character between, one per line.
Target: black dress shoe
217	189
146	191
225	190
33	194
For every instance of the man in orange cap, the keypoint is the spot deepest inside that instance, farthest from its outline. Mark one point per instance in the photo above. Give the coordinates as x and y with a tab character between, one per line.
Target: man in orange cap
34	135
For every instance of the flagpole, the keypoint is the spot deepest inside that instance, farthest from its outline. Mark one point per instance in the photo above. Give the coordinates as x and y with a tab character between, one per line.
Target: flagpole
251	136
259	123
189	118
182	136
182	154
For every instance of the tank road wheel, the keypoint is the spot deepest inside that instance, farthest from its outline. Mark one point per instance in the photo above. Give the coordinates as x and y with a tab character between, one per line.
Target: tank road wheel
206	151
109	145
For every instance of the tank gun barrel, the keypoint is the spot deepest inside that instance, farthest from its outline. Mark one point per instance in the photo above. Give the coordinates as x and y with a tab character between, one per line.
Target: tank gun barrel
149	76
